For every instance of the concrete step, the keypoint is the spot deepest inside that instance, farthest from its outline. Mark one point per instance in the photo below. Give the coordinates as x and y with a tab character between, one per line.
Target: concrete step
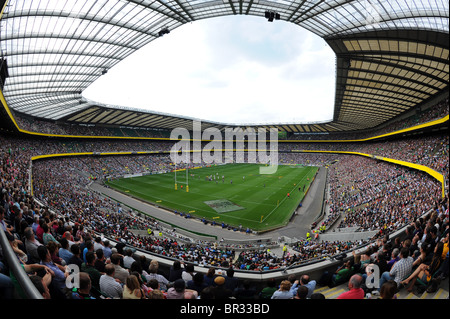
441	293
331	293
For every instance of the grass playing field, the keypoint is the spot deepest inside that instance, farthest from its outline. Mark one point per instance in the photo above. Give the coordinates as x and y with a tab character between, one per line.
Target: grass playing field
242	197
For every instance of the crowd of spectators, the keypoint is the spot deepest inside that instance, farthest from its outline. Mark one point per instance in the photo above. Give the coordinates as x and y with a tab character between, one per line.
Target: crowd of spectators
49	127
105	271
416	261
437	111
64	228
430	151
381	196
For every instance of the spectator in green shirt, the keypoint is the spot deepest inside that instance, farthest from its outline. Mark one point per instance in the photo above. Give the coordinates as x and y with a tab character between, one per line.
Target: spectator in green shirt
342	274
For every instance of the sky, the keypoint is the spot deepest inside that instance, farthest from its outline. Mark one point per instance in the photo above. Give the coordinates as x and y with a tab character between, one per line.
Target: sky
234	69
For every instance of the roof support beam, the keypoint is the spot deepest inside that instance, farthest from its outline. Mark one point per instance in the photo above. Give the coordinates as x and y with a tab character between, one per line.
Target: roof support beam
176	15
67	37
65	14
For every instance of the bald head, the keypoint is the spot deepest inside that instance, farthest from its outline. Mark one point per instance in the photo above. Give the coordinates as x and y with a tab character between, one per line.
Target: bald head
355	282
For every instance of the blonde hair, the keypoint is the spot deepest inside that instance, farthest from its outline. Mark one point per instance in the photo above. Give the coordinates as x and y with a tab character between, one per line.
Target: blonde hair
132	283
153	267
285	285
154	262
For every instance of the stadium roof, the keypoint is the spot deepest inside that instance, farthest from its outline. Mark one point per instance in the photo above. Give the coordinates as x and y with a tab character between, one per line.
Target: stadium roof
391	56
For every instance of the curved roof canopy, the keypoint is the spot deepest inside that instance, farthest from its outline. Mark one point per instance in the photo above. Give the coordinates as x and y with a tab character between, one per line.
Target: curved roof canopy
391	55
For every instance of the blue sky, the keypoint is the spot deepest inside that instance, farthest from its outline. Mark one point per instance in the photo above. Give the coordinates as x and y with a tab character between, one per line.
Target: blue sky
235	69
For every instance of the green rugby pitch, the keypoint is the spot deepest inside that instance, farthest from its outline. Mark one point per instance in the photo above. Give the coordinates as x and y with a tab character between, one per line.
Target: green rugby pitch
243	198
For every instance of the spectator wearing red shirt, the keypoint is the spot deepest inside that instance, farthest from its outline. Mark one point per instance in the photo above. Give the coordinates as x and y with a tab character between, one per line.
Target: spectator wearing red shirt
355	292
40	230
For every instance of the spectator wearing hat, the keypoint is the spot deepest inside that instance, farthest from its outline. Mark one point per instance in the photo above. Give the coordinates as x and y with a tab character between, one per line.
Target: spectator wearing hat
220	291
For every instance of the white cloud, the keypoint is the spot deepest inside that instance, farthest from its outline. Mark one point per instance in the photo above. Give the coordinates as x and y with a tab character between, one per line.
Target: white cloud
232	69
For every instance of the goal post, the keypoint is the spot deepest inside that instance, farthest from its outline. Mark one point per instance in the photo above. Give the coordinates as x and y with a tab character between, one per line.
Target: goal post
186	182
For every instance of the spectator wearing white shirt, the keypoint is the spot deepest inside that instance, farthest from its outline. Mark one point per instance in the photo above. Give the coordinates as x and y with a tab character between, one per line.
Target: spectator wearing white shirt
98	243
109	285
128	260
